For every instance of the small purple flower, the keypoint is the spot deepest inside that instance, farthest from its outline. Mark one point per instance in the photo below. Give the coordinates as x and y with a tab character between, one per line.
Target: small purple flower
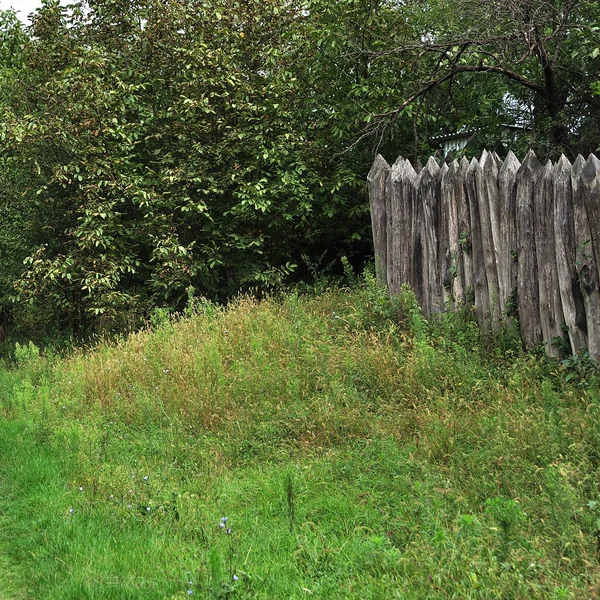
222	525
223	519
235	577
190	592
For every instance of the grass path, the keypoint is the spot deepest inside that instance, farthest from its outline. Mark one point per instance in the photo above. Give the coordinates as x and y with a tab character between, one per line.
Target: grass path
30	479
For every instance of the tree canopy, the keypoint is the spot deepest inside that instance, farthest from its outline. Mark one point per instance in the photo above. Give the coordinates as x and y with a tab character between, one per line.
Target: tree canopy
153	148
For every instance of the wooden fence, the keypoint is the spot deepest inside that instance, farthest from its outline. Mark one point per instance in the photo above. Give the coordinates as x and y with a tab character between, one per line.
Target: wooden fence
514	240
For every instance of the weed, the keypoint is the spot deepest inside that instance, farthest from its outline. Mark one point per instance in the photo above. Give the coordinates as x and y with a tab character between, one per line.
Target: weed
579	369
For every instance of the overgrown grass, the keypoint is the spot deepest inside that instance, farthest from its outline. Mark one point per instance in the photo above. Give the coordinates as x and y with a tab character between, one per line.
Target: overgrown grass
356	451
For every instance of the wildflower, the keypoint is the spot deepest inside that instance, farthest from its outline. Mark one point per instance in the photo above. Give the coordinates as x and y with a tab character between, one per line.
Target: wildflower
145	477
70	511
64	407
223	519
222	525
190	592
147	509
165	370
80	489
235	577
129	506
112	496
229	532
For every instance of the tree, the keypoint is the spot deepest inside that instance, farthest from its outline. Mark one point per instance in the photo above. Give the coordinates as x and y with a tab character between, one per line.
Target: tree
543	53
177	144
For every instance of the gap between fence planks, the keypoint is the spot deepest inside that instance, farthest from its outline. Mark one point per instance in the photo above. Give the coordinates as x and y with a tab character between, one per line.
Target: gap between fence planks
513	239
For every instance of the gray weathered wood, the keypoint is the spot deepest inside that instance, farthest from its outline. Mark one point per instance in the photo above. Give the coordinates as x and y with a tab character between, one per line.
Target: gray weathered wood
506	256
393	223
377	180
428	186
497	233
403	178
564	231
585	259
551	315
465	271
488	198
452	278
480	286
590	181
527	277
443	235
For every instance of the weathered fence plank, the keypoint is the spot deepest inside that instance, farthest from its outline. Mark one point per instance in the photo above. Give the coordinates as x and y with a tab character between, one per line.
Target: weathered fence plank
452	281
428	185
564	233
377	180
590	181
528	300
586	262
393	220
514	239
465	270
443	217
507	254
551	315
403	193
488	197
480	286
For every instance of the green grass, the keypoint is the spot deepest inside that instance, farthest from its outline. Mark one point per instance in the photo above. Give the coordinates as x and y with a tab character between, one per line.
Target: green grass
357	452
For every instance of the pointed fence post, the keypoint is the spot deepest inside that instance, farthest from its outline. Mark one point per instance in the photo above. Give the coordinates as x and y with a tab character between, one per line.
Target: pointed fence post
564	231
510	236
488	198
443	237
465	250
428	186
480	285
551	315
403	178
507	252
586	260
528	295
453	279
378	182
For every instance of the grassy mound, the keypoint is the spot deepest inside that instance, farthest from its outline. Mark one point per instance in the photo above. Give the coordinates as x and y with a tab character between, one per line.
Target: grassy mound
332	446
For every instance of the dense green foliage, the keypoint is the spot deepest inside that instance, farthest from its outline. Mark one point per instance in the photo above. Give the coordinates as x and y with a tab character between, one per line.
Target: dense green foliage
357	451
154	149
